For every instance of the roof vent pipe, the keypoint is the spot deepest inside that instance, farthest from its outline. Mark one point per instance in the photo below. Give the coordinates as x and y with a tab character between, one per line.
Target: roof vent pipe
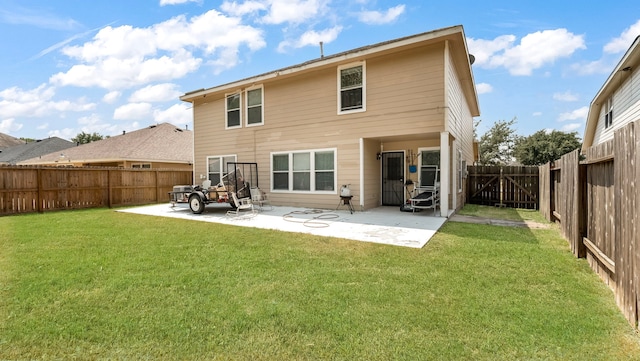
321	50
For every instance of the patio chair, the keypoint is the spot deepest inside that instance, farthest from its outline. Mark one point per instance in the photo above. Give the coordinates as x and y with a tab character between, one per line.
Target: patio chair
244	206
426	194
259	198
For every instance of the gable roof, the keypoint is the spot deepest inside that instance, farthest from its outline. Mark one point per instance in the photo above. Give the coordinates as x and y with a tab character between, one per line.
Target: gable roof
25	151
629	62
454	35
7	141
157	143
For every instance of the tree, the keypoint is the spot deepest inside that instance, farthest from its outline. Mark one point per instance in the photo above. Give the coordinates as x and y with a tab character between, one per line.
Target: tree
496	145
543	147
84	138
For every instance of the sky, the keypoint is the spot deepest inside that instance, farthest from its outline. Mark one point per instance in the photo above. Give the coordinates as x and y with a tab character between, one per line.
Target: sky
106	67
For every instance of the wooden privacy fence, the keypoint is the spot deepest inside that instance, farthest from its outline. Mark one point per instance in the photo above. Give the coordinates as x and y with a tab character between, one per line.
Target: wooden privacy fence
511	186
596	202
42	189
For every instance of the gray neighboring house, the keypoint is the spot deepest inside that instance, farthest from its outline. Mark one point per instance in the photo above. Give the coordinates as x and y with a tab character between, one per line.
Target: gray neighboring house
7	141
17	153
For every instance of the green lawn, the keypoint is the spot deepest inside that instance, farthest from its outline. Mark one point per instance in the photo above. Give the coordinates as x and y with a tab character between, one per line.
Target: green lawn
98	284
510	214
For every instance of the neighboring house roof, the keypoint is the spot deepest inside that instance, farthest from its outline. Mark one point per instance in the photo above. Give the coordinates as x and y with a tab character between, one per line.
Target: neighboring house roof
455	36
7	141
18	153
158	143
629	62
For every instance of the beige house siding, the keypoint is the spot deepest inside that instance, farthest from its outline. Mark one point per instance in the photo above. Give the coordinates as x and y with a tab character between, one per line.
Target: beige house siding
405	111
404	95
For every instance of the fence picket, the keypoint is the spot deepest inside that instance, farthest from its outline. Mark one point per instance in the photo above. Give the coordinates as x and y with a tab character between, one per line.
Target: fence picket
26	189
519	189
597	201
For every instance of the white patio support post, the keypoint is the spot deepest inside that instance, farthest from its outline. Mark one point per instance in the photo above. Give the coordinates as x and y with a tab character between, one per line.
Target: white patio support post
361	174
445	165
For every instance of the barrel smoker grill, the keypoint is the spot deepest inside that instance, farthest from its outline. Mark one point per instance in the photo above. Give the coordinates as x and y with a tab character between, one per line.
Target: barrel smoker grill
239	179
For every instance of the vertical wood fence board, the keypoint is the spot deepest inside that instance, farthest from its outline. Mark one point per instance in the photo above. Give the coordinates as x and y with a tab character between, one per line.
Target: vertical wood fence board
544	191
519	188
625	142
41	189
635	239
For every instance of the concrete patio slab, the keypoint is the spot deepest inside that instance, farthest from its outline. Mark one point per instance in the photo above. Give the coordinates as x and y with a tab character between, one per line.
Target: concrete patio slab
384	225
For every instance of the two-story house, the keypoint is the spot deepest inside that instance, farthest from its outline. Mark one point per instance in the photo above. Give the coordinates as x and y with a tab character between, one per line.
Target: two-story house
371	118
617	103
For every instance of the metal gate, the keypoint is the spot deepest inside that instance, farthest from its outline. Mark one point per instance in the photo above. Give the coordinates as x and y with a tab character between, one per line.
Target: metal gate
392	178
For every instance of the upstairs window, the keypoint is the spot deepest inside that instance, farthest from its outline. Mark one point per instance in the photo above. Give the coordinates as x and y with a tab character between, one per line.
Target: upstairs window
233	110
608	116
254	107
351	85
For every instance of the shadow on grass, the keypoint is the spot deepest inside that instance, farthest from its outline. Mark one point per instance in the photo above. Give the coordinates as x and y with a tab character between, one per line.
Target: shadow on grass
509	214
486	232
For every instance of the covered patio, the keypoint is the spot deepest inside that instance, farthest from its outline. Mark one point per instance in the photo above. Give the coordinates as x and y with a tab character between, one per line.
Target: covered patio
383	225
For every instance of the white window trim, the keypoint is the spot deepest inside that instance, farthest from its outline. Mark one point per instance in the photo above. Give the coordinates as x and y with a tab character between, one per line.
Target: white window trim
226	110
364	88
312	171
246	96
221	158
608	113
419	164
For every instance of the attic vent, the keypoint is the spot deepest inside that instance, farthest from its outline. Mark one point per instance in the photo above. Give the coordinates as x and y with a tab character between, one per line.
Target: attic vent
153	126
178	130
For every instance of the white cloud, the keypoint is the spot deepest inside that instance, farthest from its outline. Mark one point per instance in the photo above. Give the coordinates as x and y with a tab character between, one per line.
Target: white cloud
594	67
537	114
293	11
483	88
16	102
312	38
247	7
9	125
40	18
132	111
156	93
571	127
624	41
381	17
580	113
565	97
111	97
126	56
534	51
177	2
483	49
65	133
178	114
